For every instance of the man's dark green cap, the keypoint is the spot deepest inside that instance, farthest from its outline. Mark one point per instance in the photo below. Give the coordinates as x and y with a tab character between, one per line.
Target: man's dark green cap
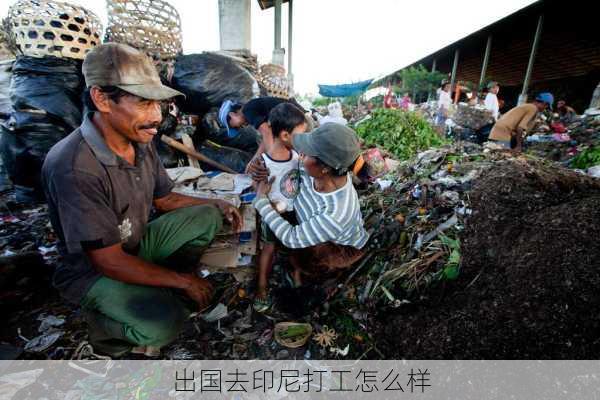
334	144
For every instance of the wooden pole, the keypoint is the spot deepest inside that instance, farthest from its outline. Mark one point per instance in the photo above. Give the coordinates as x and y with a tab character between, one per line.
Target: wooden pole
534	47
184	149
454	68
486	60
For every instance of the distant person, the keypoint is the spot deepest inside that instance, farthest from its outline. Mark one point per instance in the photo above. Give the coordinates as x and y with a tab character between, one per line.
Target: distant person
334	115
566	114
512	126
444	102
405	102
389	100
491	100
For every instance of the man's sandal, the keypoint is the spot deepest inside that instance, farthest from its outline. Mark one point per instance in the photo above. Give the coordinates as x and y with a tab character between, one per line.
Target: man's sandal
262	305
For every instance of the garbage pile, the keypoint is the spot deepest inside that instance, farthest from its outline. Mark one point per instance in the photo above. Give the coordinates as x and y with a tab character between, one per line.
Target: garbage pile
528	277
472	117
415	215
557	142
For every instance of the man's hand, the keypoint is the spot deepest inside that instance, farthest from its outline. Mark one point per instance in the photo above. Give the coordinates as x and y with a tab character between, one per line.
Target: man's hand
199	290
231	214
257	170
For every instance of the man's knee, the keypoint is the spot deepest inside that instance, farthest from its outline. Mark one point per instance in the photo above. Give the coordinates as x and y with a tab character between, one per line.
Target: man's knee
160	328
214	218
208	218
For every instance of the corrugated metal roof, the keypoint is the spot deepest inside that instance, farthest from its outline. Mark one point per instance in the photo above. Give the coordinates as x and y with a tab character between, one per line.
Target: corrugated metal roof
569	46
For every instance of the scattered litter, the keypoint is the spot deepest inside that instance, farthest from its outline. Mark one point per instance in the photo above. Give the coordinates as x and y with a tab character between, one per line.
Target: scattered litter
384	183
42	342
326	337
48	322
217	313
339	352
594	171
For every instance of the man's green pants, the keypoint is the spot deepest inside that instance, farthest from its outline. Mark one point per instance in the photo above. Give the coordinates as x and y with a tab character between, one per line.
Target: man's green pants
146	315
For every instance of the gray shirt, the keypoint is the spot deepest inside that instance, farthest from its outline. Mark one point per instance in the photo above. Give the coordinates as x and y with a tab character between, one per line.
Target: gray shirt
96	199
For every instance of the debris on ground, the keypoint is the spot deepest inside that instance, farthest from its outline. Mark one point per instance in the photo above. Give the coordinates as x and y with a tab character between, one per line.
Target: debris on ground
528	274
582	134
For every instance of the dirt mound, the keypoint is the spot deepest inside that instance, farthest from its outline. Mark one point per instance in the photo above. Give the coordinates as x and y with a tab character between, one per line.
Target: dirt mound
530	279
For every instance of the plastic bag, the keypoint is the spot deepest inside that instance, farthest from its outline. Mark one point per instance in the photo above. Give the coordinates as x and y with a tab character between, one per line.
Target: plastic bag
51	84
233	158
26	139
208	79
5	76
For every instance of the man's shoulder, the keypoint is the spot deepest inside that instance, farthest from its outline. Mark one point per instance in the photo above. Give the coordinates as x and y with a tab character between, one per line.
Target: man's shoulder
72	153
526	108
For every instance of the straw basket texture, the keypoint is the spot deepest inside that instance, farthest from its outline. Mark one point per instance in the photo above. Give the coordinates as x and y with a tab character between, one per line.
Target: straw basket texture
152	26
52	28
273	78
7	43
291	343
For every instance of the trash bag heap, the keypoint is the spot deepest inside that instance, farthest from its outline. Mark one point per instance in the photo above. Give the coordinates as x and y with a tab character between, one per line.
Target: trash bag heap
45	87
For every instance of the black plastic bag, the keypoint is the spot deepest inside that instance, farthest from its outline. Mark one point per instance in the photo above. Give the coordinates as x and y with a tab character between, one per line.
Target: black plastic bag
208	79
235	159
26	139
5	77
51	84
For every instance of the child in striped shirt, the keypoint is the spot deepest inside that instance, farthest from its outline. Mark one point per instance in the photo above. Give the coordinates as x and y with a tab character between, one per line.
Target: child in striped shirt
330	234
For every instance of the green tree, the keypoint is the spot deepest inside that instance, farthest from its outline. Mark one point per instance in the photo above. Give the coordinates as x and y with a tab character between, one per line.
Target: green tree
420	82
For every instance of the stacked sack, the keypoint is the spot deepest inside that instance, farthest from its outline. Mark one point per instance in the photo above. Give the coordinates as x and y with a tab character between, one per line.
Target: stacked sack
45	91
6	62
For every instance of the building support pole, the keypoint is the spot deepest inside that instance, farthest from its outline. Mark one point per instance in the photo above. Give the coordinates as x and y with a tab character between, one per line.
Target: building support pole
534	47
278	52
454	68
434	65
486	60
235	24
289	49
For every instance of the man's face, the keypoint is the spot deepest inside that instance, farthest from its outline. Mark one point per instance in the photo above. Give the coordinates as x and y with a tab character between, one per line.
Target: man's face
541	105
495	89
135	118
561	104
236	119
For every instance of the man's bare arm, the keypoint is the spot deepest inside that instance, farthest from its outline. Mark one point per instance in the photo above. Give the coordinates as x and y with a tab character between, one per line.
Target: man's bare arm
113	262
173	201
519	139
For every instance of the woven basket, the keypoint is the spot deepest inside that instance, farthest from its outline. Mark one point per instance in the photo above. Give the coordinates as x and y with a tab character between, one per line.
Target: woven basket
52	28
152	26
7	43
292	344
273	78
